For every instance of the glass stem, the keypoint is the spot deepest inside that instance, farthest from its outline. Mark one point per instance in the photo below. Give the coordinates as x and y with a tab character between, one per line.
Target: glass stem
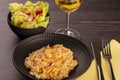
67	20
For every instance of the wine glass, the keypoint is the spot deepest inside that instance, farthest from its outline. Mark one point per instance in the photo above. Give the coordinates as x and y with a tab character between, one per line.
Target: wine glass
68	6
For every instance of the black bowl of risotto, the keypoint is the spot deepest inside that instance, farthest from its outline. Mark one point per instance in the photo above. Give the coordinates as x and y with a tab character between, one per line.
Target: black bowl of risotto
44	56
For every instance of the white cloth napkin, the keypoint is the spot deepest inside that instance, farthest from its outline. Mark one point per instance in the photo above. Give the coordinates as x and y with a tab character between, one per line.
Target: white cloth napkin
91	73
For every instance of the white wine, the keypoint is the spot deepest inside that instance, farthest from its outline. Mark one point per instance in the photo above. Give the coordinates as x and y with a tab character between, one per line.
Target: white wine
68	5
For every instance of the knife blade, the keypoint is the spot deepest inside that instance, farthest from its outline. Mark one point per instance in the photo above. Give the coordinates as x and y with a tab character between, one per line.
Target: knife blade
99	68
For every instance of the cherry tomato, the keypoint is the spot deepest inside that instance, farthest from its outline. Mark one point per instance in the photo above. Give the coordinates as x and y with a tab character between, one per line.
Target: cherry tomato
39	11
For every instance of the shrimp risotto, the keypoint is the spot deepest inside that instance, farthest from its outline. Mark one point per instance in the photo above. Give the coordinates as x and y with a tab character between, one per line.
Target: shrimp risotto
51	62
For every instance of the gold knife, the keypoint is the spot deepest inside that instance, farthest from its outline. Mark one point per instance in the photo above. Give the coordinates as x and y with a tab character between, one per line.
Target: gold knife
99	69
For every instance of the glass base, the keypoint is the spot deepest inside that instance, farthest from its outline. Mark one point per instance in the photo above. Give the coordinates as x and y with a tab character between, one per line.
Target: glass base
69	32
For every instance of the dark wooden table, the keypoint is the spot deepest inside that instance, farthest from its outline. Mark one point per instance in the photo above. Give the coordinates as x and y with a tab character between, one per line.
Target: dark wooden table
94	19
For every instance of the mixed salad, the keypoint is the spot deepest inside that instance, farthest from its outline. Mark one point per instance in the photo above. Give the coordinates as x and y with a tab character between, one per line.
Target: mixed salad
29	15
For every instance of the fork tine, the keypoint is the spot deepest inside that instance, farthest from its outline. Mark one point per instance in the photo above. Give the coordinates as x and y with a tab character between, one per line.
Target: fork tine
109	49
103	46
107	46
